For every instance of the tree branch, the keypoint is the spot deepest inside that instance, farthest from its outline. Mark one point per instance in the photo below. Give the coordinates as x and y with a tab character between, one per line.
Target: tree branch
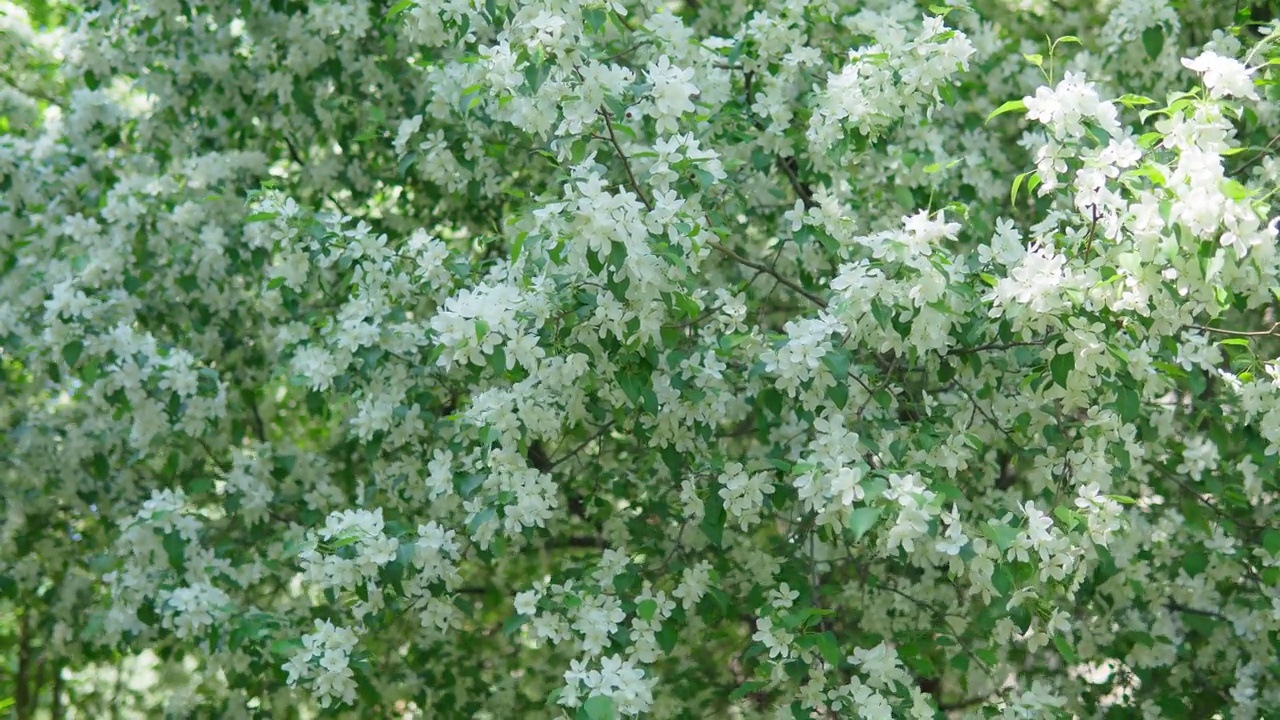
996	346
626	163
1195	611
816	300
1239	333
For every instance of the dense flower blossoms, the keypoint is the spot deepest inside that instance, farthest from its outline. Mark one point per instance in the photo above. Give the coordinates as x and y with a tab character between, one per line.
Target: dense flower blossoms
633	359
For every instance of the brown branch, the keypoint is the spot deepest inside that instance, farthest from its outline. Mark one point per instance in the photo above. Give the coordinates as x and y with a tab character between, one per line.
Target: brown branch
37	94
297	157
626	164
967	702
788	166
816	300
24	704
607	426
1261	154
55	708
1195	611
996	346
258	426
213	458
1239	333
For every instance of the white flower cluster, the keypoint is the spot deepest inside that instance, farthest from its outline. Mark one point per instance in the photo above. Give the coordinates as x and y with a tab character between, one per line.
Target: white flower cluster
161	533
1067	107
832	473
324	664
190	611
916	508
743	493
671	93
1223	76
883	82
870	697
616	678
799	358
349	551
477	321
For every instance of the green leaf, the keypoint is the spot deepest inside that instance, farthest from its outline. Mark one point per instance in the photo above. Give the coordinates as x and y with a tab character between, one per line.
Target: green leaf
1130	100
1195	562
1153	41
1060	367
837	361
71	351
712	524
512	625
1271	541
862	520
686	304
595	17
838	394
485	515
1017	183
631	384
1011	106
406	163
599	707
536	73
622	582
947	490
646	609
746	689
902	194
286	648
830	648
667	637
1128	404
175	548
1064	648
1068	517
261	217
344	541
1000	534
8	587
468	484
399	8
516	246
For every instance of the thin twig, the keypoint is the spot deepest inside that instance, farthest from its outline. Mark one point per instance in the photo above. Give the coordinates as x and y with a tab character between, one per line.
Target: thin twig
816	300
996	346
258	427
1261	154
37	94
1239	333
802	191
293	152
626	164
968	702
1195	611
217	463
608	426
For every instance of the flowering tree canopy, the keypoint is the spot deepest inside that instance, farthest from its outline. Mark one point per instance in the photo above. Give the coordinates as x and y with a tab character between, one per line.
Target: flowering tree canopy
606	358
